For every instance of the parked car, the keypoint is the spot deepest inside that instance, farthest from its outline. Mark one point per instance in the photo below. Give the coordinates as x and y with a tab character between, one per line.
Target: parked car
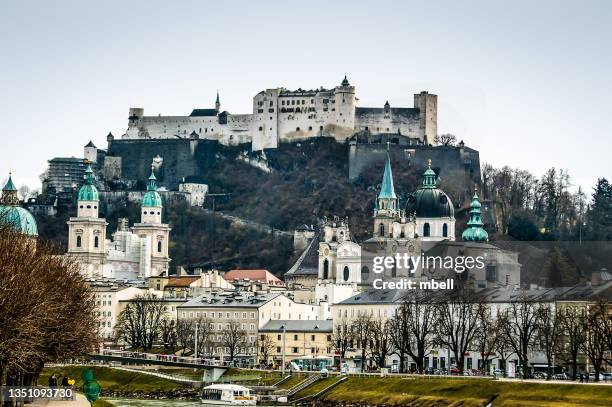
499	373
455	370
561	376
539	375
592	377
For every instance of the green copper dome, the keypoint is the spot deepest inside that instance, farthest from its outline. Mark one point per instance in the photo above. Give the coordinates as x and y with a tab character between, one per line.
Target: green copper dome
151	198
20	219
475	231
88	191
14	215
429	201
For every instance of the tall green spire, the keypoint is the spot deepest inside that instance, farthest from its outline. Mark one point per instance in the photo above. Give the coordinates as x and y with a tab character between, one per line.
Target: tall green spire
9	186
475	231
387	190
429	180
152	184
88	191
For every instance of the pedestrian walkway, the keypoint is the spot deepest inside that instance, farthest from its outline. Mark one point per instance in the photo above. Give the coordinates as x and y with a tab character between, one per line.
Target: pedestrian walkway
79	401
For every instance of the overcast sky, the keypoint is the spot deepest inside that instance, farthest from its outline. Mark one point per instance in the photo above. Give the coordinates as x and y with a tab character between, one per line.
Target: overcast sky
525	83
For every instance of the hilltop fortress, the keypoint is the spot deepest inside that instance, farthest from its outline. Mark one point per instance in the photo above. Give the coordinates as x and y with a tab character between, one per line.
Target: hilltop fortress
281	115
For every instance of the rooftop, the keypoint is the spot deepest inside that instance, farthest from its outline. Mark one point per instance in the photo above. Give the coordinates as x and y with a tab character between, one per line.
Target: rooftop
239	299
298	326
259	275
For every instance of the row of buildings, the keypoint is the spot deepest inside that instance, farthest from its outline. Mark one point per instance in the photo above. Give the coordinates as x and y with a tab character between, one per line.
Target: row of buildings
331	282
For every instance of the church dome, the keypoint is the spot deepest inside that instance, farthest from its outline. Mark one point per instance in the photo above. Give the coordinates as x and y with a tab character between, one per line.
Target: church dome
152	198
20	219
429	201
88	191
11	213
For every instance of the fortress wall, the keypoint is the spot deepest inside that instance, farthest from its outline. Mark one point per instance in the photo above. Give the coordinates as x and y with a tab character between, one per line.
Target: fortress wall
180	159
460	166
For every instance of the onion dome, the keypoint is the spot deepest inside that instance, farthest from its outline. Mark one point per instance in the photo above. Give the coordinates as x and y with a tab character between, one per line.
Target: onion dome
345	81
12	214
151	198
88	191
429	201
475	231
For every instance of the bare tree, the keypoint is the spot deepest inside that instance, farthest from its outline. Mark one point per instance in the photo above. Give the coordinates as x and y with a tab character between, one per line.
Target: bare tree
487	336
138	324
46	308
24	192
204	337
595	346
381	345
265	347
456	323
233	339
342	337
167	332
549	334
502	345
362	335
415	327
445	139
519	323
572	321
184	334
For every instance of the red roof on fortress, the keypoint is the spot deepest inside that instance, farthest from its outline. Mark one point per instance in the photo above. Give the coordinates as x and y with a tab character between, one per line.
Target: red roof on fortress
261	276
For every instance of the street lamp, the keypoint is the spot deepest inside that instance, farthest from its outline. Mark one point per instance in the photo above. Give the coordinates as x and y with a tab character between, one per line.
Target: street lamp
196	341
283	363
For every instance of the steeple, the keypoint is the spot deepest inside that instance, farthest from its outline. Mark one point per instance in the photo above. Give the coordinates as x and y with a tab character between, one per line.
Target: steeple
151	198
387	189
217	103
9	193
429	180
475	231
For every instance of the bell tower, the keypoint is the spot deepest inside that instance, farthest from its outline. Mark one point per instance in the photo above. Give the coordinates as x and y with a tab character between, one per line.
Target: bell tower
151	229
87	231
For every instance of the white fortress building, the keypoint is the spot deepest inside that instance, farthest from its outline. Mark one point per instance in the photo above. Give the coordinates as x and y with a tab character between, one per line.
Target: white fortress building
281	115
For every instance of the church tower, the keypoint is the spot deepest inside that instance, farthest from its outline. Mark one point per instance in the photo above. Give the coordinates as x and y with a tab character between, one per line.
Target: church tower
475	231
152	230
387	209
87	231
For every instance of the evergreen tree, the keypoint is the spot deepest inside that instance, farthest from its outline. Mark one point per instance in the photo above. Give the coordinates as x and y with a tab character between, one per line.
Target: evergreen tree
599	215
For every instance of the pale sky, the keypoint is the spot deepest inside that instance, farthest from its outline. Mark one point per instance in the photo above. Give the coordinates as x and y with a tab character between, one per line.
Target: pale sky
527	83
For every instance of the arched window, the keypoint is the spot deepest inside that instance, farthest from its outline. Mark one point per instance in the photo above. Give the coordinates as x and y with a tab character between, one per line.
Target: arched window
96	241
365	272
78	241
426	230
381	230
159	246
346	273
325	269
445	230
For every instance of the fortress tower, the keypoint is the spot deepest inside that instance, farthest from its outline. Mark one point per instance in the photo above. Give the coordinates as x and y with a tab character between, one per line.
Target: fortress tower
427	103
87	231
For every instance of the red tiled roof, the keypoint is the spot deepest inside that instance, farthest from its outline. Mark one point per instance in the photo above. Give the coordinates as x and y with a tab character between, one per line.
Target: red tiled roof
184	281
262	276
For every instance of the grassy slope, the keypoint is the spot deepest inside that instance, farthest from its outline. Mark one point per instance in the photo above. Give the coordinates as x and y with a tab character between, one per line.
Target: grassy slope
466	392
113	379
315	387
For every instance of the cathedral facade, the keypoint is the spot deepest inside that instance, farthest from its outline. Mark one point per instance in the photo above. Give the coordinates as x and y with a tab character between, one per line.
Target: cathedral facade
132	254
